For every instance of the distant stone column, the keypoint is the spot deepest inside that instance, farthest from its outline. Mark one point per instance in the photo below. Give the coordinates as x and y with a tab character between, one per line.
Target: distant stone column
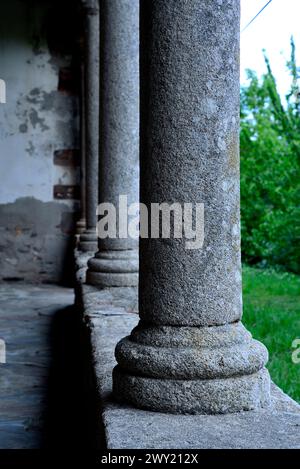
190	353
88	239
81	224
116	262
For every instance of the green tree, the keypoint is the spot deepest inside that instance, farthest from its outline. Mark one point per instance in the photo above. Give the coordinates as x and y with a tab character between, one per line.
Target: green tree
270	170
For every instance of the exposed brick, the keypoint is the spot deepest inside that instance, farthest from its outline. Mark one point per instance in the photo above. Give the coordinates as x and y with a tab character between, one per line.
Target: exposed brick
61	192
67	83
67	157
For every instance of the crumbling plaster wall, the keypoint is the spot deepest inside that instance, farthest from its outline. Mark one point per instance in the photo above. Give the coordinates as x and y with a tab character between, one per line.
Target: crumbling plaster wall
38	190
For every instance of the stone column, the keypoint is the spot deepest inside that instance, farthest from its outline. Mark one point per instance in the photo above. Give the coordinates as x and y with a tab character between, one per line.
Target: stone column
81	224
190	353
88	239
116	263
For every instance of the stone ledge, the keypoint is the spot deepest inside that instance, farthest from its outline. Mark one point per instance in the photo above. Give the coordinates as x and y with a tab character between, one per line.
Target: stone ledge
111	314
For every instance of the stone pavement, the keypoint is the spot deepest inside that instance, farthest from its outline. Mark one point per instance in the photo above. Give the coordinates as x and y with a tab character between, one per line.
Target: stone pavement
39	387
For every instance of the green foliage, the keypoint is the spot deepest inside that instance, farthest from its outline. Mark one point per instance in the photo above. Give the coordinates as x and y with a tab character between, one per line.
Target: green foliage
270	170
272	314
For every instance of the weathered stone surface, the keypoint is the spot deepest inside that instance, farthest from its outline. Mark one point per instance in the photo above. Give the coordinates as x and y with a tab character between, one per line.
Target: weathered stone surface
81	259
35	241
81	223
91	6
126	427
190	153
191	362
184	396
111	301
195	337
88	240
192	298
119	126
114	268
119	129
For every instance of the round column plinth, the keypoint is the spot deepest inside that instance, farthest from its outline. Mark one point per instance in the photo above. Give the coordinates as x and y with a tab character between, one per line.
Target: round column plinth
192	369
113	269
81	226
211	396
88	241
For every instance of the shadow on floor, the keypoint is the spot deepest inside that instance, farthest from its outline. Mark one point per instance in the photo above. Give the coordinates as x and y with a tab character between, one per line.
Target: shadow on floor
70	417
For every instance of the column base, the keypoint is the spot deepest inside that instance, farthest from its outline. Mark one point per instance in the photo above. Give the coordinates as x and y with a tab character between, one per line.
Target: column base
113	269
212	396
80	226
207	370
88	241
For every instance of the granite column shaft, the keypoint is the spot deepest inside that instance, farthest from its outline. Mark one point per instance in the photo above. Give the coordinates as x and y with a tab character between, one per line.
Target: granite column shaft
81	223
190	352
116	262
88	239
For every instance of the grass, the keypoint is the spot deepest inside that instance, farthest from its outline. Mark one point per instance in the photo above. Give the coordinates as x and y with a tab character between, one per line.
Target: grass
272	314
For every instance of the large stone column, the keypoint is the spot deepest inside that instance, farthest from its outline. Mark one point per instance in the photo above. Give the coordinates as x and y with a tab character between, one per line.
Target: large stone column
116	263
190	353
88	239
81	224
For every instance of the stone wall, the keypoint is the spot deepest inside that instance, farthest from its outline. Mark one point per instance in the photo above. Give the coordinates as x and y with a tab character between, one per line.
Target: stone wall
39	142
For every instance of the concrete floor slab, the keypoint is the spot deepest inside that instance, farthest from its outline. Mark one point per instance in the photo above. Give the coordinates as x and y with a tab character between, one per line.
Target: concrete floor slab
38	325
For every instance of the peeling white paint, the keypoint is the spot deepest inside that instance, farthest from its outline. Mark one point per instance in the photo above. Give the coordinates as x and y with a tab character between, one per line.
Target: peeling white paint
31	126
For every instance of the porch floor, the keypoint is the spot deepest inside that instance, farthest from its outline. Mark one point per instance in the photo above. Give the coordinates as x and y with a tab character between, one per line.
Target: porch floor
41	383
